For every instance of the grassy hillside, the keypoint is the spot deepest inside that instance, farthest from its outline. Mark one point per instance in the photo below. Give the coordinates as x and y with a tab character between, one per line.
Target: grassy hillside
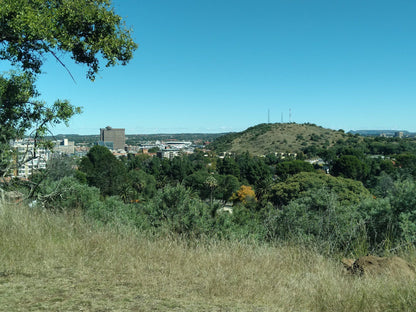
54	262
279	137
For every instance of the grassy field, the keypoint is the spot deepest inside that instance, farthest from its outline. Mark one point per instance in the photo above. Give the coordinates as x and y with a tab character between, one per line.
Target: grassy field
60	263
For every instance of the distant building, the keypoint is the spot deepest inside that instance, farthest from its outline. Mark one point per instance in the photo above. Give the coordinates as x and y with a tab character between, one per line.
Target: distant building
399	134
178	144
64	147
116	136
168	153
109	145
28	158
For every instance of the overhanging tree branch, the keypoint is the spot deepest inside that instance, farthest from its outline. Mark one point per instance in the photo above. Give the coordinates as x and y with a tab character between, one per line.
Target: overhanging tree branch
64	66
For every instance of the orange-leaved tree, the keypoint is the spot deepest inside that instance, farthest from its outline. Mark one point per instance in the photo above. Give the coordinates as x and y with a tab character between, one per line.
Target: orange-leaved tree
244	194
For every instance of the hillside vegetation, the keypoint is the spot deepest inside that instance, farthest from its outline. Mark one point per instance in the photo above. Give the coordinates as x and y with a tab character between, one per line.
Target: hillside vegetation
62	262
279	137
204	233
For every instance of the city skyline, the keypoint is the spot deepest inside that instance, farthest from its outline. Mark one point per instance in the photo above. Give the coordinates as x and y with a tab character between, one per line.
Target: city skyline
224	66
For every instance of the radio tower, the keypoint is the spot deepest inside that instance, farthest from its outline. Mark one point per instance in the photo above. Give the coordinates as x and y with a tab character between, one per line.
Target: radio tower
290	115
268	115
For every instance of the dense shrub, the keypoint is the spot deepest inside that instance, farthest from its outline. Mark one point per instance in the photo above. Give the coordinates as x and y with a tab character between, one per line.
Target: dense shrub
316	216
178	209
112	210
67	194
296	186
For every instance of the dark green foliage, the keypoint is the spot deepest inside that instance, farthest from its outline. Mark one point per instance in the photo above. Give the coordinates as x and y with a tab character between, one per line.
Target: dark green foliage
243	223
224	142
317	216
200	160
228	165
271	159
311	150
180	167
350	166
252	169
228	184
140	161
314	137
67	194
403	202
176	208
15	92
196	181
104	170
20	113
347	190
112	210
143	184
407	163
153	150
379	224
286	168
89	30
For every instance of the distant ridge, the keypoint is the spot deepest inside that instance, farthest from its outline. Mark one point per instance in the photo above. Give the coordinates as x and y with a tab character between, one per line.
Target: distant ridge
382	132
278	138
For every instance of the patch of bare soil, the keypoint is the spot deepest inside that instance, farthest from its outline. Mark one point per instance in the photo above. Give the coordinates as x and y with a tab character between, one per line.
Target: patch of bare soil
373	265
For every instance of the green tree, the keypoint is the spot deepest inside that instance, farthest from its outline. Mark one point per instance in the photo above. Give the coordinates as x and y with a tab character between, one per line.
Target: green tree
177	209
228	165
348	191
349	166
104	170
320	217
67	194
88	30
142	183
211	183
196	181
180	167
407	163
253	170
20	113
286	168
227	186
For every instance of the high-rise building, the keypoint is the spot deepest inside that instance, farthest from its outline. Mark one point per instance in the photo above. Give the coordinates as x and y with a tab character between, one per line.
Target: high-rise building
116	136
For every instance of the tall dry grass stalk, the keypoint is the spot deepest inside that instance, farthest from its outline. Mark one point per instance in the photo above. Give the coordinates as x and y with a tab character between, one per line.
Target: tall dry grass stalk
56	262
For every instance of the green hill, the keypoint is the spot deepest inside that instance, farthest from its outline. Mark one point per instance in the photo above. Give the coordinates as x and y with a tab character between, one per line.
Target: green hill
279	137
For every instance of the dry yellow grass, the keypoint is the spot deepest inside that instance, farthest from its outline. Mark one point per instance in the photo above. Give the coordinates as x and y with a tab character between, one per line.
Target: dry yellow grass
60	263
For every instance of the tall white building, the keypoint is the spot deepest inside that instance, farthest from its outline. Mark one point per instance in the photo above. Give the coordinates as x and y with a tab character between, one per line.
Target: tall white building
27	159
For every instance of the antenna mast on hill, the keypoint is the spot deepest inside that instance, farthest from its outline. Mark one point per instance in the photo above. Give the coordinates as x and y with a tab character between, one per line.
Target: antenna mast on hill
281	120
290	115
268	115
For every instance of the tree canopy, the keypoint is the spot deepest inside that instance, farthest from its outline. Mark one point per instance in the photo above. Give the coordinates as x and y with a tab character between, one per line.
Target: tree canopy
87	29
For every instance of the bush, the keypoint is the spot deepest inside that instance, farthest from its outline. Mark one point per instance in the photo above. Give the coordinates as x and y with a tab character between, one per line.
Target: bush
348	191
317	216
176	208
67	194
112	210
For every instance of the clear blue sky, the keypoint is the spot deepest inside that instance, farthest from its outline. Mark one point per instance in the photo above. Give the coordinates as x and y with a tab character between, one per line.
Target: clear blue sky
220	65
